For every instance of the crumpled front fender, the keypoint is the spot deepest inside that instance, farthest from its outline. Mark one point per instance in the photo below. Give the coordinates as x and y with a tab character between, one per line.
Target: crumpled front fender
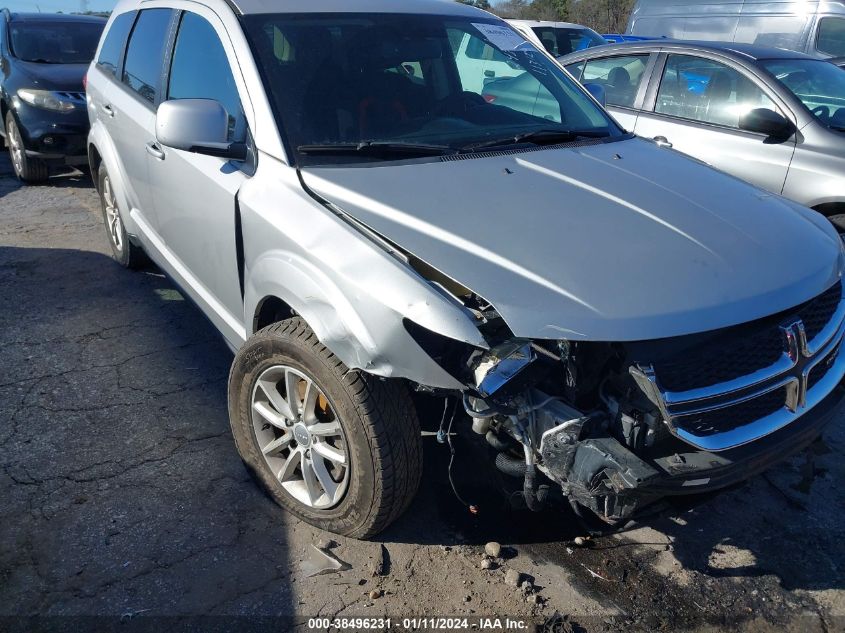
350	290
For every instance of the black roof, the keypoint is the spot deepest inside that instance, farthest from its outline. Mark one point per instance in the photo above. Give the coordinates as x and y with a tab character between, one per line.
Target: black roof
55	17
748	51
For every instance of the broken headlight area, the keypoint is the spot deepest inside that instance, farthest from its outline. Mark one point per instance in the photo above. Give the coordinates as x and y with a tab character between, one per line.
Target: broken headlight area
566	418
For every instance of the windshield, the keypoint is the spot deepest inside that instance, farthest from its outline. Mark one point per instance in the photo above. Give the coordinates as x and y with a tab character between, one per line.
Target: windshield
399	85
818	84
563	41
55	42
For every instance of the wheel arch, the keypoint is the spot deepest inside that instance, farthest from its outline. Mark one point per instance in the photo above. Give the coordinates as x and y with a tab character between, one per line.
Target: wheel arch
270	310
364	335
828	209
94	161
4	108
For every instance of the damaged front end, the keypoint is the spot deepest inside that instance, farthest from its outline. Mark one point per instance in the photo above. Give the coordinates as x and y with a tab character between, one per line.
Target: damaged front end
613	427
557	420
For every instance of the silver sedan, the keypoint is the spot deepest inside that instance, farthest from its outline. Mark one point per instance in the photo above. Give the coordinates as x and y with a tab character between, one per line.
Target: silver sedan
772	117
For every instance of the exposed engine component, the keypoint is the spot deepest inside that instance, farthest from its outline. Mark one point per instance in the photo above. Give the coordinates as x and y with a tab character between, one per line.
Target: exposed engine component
526	408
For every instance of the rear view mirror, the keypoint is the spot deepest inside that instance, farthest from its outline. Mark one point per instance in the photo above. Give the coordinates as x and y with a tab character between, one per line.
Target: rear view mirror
598	92
768	122
197	125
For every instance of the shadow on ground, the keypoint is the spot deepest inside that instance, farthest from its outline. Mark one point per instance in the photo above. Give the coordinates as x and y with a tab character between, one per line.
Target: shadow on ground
121	488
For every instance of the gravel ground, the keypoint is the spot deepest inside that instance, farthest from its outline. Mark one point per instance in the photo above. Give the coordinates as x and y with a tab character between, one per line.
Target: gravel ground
123	502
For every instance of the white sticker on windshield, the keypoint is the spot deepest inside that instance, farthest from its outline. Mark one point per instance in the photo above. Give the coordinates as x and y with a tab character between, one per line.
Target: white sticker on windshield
502	37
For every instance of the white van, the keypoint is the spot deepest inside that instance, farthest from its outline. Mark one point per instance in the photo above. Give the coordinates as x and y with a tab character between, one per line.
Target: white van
815	27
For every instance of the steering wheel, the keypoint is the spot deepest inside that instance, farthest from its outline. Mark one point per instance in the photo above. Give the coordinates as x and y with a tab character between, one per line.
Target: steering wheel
822	112
459	103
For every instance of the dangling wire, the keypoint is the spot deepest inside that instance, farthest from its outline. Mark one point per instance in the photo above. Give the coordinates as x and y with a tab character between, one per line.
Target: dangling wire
472	508
441	432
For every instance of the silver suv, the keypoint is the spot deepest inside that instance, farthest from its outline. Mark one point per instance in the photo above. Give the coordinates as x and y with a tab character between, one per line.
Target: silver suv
620	322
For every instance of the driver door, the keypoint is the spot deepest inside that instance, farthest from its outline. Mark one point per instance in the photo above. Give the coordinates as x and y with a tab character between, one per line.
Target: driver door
196	194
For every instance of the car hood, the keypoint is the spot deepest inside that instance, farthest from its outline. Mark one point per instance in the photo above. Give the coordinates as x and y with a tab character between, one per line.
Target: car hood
54	76
613	241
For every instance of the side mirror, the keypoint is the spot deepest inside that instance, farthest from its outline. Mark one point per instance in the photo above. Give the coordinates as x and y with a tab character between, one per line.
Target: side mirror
197	125
768	122
598	92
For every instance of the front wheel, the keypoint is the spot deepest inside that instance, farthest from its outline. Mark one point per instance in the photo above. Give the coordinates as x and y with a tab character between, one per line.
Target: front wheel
27	168
339	449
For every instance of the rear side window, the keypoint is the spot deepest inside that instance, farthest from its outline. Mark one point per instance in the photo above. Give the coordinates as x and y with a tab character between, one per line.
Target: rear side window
114	43
142	68
197	46
831	39
620	76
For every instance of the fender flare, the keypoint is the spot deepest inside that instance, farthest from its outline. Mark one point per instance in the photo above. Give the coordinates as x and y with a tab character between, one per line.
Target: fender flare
354	337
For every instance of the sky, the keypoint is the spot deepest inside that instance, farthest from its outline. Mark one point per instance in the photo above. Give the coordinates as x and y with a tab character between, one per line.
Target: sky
49	6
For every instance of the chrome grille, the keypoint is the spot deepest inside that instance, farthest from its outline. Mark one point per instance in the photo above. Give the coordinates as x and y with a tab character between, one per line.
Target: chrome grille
732	357
787	368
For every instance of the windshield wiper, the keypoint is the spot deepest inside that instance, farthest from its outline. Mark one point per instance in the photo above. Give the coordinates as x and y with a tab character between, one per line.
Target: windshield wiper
538	137
377	148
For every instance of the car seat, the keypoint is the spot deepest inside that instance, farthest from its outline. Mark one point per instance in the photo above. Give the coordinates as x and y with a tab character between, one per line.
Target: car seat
719	108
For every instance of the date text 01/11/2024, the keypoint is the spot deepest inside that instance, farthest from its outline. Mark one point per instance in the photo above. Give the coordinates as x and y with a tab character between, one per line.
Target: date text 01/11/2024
417	623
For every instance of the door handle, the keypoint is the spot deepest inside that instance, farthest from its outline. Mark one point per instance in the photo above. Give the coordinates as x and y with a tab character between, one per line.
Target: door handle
107	109
154	150
662	141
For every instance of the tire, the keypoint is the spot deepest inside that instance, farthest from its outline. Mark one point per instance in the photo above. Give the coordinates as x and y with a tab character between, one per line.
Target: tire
27	168
123	250
380	432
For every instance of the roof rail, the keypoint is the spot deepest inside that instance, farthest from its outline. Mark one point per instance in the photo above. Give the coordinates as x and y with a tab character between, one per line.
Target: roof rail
234	7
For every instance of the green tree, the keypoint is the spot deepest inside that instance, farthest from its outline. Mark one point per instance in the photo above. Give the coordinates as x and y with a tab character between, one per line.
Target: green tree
513	9
481	4
554	10
605	16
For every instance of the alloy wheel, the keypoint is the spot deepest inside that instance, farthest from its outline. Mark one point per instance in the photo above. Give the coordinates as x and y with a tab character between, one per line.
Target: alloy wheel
300	437
15	146
115	224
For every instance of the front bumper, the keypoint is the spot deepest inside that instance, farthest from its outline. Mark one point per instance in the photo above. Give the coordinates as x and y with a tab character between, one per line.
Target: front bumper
54	136
700	471
614	482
